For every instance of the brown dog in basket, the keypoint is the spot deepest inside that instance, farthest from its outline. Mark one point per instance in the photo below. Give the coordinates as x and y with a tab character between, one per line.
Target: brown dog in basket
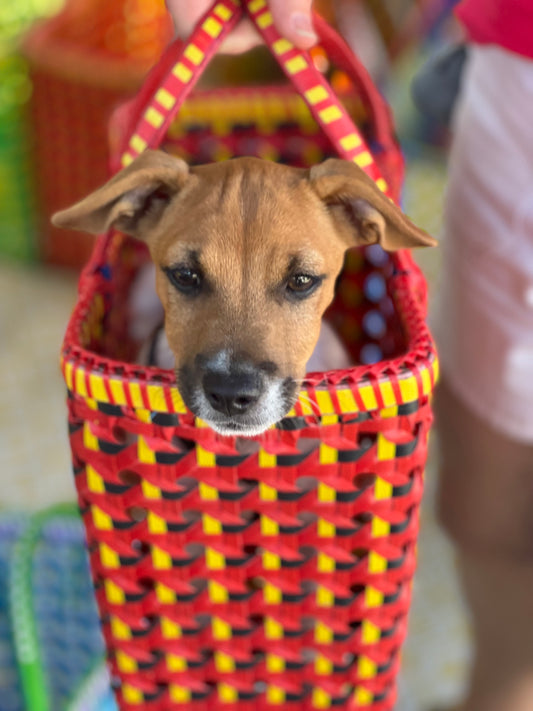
274	572
247	253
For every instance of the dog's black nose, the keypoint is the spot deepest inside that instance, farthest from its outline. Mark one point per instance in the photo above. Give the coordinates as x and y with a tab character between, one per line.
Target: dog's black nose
232	394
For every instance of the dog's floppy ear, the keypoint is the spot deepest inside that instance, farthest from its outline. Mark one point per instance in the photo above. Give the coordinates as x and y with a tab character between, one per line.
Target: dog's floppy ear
133	199
361	212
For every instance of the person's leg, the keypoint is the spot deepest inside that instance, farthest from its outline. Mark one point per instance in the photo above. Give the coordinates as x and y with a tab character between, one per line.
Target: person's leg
485	503
484	404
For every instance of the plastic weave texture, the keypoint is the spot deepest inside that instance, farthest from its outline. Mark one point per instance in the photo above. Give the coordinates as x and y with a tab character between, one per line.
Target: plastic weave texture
49	632
272	572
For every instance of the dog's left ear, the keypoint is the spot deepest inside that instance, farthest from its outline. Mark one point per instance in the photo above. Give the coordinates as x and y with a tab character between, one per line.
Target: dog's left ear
361	212
132	201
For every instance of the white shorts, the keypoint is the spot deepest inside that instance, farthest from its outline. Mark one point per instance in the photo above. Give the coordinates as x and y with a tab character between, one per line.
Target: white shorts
483	322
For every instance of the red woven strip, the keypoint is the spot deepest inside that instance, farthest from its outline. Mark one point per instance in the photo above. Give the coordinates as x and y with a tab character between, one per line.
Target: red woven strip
178	89
309	78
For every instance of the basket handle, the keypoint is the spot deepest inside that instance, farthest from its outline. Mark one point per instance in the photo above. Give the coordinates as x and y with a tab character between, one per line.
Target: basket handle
183	63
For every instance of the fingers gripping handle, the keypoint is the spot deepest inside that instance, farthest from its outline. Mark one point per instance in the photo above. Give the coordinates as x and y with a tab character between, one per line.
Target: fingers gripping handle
190	60
187	62
313	87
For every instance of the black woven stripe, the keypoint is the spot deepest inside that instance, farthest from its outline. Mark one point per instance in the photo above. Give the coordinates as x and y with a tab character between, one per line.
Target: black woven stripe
294	666
230	460
124	525
388	633
406	449
291	460
198	695
294	634
164	419
340	701
384	667
389	599
290	495
115	488
394	564
294	597
179	527
236	562
293	563
342	636
346	531
109	409
408	409
292	423
296	697
381	697
250	664
404	489
348	496
241	597
346	566
352	455
400	527
241	631
292	529
232	495
174	495
135	597
247	695
169	457
110	447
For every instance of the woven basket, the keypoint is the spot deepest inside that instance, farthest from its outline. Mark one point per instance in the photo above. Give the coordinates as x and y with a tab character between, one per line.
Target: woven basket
273	572
83	63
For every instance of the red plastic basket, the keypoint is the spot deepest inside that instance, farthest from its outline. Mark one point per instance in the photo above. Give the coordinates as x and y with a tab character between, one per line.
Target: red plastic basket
273	572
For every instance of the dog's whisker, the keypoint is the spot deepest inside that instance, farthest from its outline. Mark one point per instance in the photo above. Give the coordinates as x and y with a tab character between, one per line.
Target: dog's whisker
307	399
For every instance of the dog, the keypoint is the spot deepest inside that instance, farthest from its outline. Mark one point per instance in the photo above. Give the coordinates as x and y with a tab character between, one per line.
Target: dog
247	253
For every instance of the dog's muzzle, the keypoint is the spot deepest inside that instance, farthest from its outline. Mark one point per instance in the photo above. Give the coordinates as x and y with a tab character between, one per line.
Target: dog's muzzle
235	396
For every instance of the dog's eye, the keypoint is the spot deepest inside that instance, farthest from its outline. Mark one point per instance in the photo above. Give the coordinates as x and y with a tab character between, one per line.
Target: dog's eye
186	279
302	285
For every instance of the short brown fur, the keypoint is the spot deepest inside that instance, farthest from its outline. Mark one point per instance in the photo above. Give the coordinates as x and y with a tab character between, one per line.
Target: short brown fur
247	225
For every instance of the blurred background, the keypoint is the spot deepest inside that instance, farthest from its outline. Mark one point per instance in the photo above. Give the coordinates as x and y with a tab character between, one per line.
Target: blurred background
65	65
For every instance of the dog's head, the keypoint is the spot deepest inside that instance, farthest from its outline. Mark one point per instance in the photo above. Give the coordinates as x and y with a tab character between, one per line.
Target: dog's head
247	253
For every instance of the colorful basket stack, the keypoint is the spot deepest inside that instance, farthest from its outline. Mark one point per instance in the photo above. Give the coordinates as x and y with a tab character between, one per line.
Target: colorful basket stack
49	632
274	572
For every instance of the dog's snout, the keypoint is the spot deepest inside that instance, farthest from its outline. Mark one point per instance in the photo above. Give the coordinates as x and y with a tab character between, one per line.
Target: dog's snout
232	394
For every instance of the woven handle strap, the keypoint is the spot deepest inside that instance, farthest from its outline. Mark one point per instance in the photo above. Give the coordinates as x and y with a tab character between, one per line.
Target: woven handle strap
186	62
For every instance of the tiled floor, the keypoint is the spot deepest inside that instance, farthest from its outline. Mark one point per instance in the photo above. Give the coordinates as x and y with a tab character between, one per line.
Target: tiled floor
34	461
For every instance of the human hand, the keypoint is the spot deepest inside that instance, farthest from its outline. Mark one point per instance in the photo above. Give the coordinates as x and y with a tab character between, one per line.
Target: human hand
291	17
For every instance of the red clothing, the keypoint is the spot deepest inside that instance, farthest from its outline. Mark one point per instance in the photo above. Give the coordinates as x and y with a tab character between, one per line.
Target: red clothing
508	23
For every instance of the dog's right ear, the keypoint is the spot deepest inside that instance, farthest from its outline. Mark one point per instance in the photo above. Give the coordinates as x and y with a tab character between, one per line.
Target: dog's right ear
361	212
132	201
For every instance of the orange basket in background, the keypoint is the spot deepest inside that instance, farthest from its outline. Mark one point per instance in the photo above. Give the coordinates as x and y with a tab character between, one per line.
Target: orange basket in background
83	63
271	573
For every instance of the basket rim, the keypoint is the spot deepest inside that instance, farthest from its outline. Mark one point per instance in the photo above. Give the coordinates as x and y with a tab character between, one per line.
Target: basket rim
401	380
